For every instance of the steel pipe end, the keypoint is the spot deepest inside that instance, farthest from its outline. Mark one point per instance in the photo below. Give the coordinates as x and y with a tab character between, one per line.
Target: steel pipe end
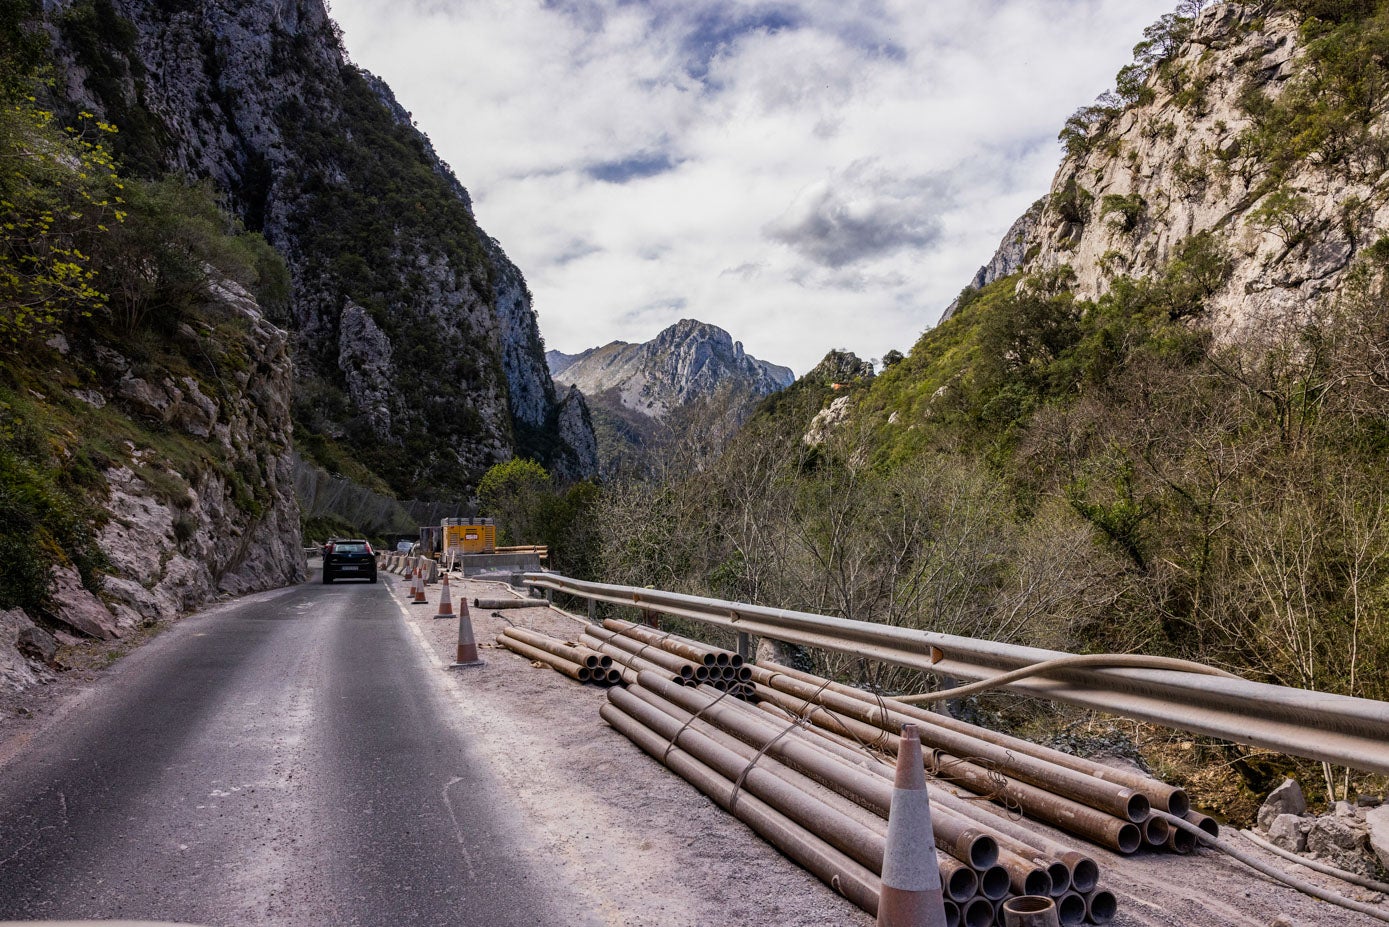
585	674
1139	808
1129	838
979	850
994	883
1179	803
1027	911
605	661
1180	841
1085	872
690	672
962	884
736	660
1037	882
1101	906
722	659
1060	875
1203	821
952	914
1155	831
709	660
1070	909
978	912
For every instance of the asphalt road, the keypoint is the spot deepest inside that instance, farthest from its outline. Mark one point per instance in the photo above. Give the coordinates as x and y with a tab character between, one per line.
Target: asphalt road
286	760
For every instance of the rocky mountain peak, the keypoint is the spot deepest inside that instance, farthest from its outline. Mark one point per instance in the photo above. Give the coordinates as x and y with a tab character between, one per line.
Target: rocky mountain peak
689	361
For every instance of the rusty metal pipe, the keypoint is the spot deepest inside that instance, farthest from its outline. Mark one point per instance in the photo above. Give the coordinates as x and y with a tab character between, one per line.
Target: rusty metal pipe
651	653
835	869
952	914
1101	906
631	661
557	663
953	835
1116	799
1027	911
1082	872
994	882
958	880
569	650
1180	841
678	646
1159	793
1156	831
498	604
835	828
1204	821
1070	909
1024	876
978	912
1082	820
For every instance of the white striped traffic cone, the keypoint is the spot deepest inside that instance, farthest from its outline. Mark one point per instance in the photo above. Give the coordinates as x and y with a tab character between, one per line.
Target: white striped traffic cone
467	645
911	891
445	599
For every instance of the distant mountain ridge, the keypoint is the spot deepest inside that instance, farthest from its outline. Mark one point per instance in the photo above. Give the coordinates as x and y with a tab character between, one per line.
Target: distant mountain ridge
644	395
689	361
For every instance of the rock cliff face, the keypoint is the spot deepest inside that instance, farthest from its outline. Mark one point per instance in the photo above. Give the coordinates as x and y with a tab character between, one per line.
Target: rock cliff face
413	335
197	491
688	361
1196	154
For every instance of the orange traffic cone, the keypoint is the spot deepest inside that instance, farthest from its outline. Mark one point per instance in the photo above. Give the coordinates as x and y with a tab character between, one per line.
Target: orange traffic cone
911	893
467	646
445	600
412	575
419	589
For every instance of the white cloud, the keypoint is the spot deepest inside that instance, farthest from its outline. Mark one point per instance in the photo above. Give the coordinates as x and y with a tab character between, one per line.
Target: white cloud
808	174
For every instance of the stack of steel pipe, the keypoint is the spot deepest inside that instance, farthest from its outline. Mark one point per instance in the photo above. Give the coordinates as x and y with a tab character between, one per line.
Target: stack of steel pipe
682	667
722	669
974	767
573	660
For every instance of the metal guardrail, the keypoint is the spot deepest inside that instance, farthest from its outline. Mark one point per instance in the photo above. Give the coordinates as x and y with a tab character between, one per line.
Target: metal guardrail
1335	729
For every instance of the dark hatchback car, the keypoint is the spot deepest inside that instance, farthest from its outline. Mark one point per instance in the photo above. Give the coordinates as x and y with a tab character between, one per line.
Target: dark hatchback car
352	559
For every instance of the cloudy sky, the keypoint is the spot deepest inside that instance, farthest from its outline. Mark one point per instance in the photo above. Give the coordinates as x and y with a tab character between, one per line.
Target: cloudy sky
808	174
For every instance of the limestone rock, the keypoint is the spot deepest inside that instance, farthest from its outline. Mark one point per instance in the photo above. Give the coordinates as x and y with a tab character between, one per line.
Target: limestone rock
825	420
1289	832
364	357
76	607
38	645
575	427
16	672
1286	799
1377	823
1341	842
250	95
1175	167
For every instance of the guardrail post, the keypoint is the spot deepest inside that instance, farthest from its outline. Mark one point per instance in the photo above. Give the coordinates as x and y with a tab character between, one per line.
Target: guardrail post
593	610
745	646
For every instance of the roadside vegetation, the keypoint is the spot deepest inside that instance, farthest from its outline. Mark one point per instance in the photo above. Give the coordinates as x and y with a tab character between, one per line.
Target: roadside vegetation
1093	476
95	260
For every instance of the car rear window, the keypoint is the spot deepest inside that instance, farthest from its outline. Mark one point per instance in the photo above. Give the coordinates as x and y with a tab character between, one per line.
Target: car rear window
349	547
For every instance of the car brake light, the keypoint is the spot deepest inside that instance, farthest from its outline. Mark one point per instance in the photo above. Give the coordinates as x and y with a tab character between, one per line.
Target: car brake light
369	550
